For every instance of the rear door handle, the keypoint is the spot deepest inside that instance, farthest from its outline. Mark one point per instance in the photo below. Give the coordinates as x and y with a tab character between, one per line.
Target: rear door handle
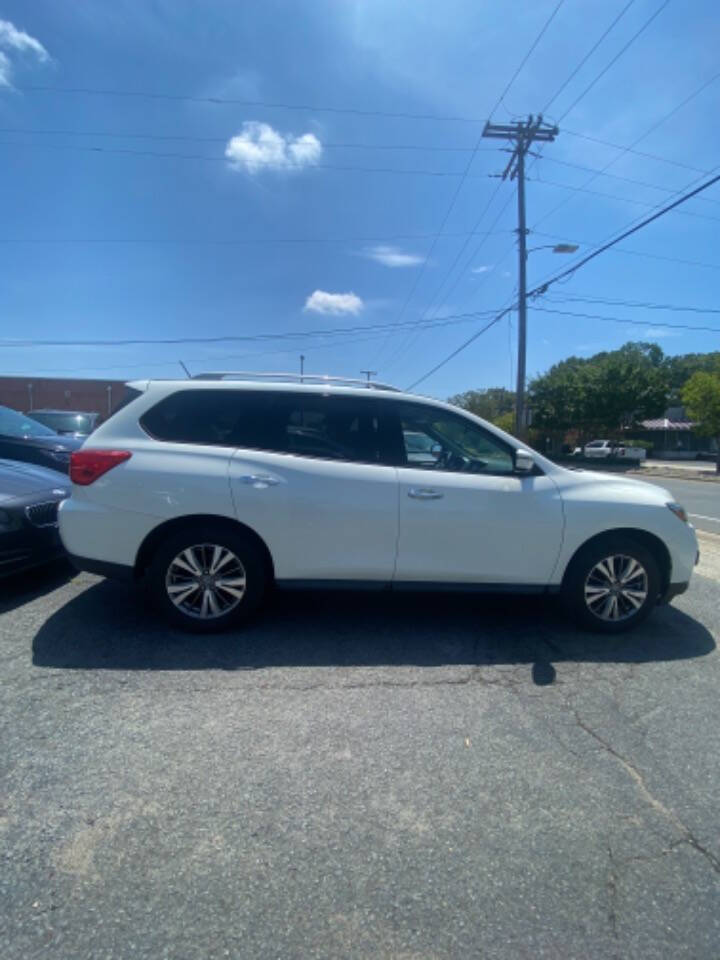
259	480
424	493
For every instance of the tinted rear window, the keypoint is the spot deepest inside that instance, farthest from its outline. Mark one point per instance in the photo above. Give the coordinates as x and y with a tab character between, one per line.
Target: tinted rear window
66	422
310	425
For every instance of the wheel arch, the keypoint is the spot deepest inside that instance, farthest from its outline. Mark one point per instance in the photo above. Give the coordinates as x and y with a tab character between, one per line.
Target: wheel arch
650	541
156	536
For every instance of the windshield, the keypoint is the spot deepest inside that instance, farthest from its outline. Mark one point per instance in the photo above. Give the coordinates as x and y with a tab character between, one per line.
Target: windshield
65	422
14	424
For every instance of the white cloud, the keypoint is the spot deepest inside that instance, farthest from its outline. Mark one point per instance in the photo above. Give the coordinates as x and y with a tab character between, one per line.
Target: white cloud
390	256
657	333
334	303
17	42
258	146
483	268
5	70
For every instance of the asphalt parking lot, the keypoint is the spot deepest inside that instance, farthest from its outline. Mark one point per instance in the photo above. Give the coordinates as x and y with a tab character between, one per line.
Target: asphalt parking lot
361	776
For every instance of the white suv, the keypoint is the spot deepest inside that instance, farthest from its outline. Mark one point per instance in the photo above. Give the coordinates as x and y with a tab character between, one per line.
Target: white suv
213	489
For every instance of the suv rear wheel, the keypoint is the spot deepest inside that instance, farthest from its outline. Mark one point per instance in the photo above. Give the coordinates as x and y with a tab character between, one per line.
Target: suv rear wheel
612	584
205	579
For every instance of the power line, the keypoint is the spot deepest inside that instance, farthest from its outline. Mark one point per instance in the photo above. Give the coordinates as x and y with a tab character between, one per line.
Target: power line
476	148
173	155
616	176
244	241
459	349
574	104
230	101
126	135
695	93
639	323
248	338
612	196
527	56
636	153
584	60
639	304
634	253
311	348
615	59
542	288
406	344
587	56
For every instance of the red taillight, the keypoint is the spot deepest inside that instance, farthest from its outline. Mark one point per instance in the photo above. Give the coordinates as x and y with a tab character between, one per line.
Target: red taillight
87	465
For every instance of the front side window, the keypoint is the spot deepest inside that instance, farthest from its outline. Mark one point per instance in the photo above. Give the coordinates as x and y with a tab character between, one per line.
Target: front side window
434	439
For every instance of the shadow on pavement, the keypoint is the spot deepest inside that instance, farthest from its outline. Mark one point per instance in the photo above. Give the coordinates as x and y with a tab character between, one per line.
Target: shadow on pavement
108	627
22	588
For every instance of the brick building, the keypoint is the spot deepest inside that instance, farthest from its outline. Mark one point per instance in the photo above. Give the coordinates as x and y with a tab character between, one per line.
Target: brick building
34	393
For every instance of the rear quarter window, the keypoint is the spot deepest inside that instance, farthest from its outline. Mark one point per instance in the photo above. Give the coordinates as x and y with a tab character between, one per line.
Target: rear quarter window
207	417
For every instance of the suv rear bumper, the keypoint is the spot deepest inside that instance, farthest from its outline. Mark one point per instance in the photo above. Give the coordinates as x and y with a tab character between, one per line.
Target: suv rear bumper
103	568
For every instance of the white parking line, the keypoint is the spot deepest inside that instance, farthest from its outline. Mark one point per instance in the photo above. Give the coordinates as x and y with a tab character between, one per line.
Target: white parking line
699	516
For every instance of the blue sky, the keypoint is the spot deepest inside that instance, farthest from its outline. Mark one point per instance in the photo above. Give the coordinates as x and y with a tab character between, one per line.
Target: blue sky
271	220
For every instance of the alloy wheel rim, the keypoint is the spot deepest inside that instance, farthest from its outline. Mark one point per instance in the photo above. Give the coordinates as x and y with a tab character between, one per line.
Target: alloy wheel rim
616	588
205	581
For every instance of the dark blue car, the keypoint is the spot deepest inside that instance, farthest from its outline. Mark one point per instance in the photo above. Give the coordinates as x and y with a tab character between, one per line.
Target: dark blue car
22	438
29	500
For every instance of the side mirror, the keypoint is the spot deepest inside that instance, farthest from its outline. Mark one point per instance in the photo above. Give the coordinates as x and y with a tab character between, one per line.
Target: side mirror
524	462
436	450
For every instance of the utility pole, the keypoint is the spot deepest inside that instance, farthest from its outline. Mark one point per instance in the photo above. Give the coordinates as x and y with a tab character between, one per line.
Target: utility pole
522	135
368	374
302	367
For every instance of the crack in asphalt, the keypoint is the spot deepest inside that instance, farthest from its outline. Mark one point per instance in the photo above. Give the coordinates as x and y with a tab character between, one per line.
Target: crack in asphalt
612	900
650	798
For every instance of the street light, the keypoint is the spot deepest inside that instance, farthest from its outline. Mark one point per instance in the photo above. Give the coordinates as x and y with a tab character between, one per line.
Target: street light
556	248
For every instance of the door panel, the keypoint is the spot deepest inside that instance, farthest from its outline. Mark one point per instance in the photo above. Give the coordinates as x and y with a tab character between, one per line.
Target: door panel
321	519
465	515
466	528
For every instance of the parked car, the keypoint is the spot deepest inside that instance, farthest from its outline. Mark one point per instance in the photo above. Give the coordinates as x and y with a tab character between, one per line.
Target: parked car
211	489
601	449
75	423
22	438
29	500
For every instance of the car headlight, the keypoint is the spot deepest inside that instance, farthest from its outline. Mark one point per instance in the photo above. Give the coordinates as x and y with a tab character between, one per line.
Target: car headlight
679	510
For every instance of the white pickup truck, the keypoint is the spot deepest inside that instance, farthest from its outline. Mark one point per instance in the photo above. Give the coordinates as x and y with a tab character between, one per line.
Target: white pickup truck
602	449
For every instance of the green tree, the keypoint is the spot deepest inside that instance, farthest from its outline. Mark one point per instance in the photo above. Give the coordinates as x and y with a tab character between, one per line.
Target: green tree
683	366
506	422
604	393
701	397
490	404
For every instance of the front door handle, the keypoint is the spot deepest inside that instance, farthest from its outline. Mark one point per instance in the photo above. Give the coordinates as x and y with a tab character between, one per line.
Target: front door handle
259	480
424	493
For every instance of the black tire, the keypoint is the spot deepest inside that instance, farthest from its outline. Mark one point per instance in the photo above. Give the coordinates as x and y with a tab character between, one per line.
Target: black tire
201	539
583	574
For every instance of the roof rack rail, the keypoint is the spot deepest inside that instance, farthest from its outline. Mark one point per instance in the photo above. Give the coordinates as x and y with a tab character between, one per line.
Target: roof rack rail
310	378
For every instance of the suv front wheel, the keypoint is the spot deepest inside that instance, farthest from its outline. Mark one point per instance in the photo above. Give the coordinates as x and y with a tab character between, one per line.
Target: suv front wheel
205	579
612	584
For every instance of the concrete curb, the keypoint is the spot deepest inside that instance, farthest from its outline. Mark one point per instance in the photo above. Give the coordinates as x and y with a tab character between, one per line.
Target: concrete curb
705	476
